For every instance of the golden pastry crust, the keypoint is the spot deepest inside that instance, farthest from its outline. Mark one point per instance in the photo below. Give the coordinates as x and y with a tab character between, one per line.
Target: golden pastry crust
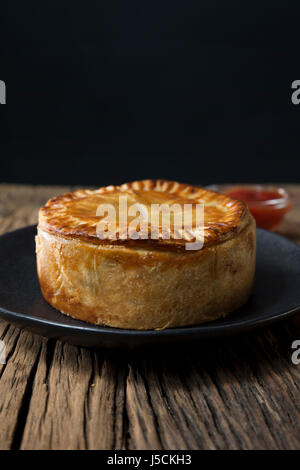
73	215
144	284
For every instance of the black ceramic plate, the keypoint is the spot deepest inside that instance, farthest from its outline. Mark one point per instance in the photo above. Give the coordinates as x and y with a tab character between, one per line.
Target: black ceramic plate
276	295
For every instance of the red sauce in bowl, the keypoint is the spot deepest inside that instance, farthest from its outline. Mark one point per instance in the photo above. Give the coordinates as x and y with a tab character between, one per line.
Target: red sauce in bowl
267	204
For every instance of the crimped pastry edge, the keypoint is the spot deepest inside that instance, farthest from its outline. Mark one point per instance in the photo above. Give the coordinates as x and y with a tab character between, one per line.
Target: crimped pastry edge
54	218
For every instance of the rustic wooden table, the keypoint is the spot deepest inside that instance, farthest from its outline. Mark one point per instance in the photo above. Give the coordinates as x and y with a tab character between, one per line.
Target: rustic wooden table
242	393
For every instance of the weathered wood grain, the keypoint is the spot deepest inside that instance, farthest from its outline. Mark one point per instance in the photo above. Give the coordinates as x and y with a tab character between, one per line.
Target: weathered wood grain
237	394
77	401
16	377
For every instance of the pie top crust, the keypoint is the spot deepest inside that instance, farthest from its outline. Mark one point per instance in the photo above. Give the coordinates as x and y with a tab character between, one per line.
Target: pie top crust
73	215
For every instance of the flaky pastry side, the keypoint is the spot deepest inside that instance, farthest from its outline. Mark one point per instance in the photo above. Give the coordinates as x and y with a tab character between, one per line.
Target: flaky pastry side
144	284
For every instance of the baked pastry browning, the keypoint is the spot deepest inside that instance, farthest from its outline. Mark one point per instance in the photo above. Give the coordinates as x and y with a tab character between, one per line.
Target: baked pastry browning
144	284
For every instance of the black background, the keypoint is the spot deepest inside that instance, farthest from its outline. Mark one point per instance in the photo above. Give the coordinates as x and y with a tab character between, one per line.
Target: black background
105	92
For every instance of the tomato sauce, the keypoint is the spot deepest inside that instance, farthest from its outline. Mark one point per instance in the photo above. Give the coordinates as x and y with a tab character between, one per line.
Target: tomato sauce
267	205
